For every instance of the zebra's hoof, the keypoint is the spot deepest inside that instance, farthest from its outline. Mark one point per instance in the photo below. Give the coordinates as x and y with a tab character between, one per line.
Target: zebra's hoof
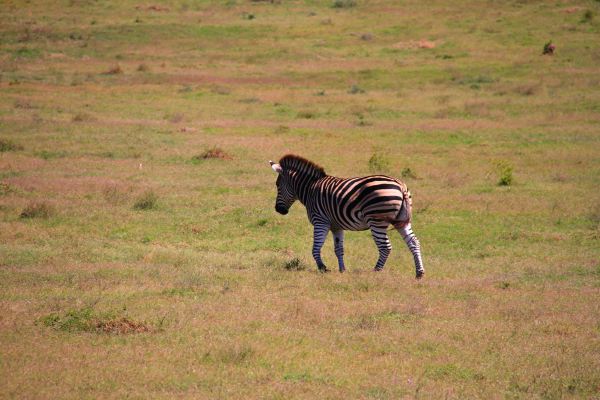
342	270
420	274
323	269
377	269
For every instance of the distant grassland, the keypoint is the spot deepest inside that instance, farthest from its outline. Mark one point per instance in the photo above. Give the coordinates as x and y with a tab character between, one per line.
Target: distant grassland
140	253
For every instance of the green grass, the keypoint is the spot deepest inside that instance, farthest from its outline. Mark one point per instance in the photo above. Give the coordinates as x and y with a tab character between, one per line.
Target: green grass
140	252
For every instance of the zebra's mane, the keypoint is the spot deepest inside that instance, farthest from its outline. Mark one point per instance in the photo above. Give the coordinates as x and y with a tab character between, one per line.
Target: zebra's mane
302	165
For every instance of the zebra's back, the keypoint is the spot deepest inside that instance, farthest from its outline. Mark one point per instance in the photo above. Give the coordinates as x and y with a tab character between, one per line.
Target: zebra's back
352	203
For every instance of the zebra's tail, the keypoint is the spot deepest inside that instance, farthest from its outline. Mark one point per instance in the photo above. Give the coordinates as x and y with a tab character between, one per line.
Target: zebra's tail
404	216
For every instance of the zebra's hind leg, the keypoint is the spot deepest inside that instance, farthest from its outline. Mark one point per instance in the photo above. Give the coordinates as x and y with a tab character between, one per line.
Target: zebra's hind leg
383	243
320	233
414	246
338	244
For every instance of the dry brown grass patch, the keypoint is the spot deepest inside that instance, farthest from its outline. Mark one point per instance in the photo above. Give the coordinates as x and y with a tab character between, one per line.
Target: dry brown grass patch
213	153
122	326
23	104
38	209
83	117
115	70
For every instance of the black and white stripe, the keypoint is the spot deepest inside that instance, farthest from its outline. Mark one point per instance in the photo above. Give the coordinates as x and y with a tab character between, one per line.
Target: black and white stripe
336	204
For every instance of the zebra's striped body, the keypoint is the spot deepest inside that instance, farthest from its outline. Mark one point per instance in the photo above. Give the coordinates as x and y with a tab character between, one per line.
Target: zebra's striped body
371	202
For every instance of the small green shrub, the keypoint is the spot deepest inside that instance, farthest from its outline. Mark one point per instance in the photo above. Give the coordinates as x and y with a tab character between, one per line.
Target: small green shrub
379	162
307	115
505	171
7	145
344	3
73	321
87	320
37	210
362	121
295	264
588	16
408	173
147	201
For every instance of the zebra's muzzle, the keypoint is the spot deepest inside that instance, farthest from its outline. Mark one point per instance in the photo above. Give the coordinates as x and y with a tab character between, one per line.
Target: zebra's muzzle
281	209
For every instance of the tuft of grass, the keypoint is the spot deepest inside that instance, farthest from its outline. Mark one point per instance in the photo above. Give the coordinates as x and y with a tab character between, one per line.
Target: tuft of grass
81	320
452	371
362	121
594	216
115	70
588	16
212	153
344	4
143	68
146	201
5	188
250	100
475	82
504	285
48	155
354	89
307	114
408	173
379	162
175	118
295	264
113	195
505	173
8	145
526	90
37	209
87	320
83	117
23	104
281	129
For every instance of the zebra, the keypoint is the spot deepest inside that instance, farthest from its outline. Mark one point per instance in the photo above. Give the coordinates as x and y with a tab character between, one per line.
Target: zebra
337	204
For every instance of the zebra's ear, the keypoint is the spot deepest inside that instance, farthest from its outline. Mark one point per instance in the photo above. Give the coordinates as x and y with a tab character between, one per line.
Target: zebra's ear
276	167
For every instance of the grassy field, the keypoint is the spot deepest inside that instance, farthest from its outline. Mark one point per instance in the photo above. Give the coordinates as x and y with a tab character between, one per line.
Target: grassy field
133	264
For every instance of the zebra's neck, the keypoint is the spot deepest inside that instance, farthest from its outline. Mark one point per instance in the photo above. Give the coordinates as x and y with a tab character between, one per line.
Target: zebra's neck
304	185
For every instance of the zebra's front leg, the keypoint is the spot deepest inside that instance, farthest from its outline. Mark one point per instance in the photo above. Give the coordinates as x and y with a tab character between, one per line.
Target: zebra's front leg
383	244
338	243
415	248
319	236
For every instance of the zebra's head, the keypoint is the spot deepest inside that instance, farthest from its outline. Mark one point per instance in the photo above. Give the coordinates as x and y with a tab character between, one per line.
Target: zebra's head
285	192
